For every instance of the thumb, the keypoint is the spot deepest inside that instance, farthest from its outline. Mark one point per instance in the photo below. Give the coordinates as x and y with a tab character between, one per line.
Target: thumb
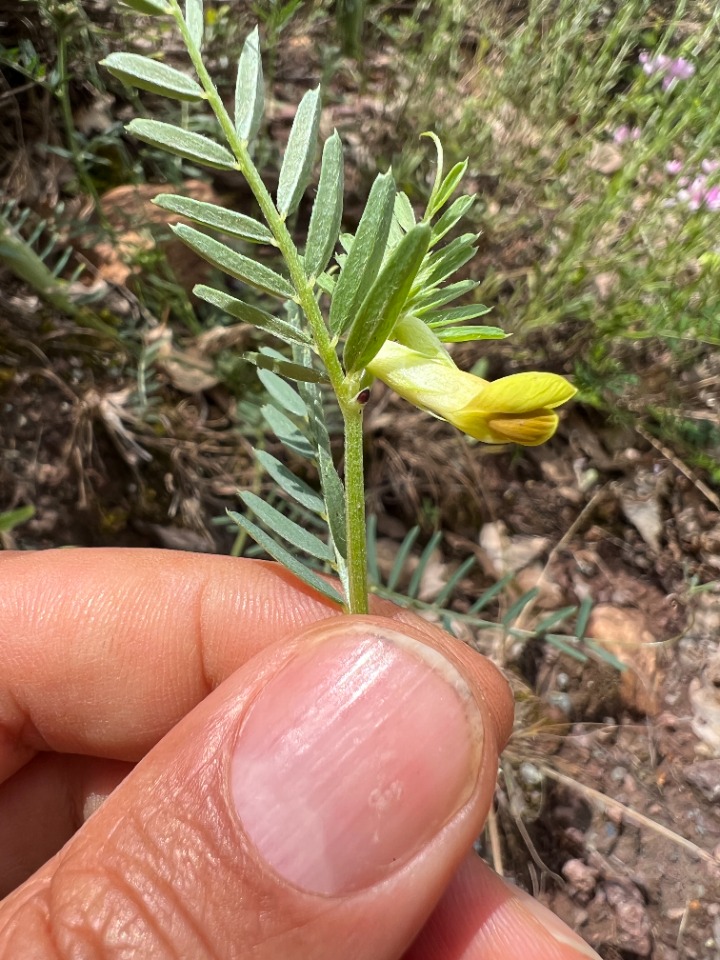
315	805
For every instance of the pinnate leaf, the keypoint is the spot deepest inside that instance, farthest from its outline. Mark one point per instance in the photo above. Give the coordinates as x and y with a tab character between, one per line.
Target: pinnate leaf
300	153
183	143
283	556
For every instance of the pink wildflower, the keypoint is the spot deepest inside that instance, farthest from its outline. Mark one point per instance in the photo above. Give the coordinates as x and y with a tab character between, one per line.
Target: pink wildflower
625	133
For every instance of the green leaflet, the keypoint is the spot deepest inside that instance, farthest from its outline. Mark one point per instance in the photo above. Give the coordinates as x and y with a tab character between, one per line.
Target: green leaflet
448	187
152	7
426	300
466	334
291	371
442	318
286	528
254	315
195	21
249	89
283	556
183	143
286	431
454	213
443	263
218	218
13	518
292	485
365	256
282	393
404	213
233	263
383	304
327	209
300	153
147	74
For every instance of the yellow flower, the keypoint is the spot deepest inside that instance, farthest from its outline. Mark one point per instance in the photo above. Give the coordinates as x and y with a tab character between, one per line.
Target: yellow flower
519	408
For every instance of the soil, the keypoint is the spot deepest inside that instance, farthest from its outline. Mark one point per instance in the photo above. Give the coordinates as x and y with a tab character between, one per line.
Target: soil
608	802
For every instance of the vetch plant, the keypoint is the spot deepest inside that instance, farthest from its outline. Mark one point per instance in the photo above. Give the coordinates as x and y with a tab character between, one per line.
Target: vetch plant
378	308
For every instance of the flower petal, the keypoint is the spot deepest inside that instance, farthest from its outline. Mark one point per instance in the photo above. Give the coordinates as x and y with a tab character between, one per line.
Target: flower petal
530	430
525	392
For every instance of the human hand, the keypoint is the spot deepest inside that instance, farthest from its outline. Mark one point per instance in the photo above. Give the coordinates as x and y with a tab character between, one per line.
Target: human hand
266	778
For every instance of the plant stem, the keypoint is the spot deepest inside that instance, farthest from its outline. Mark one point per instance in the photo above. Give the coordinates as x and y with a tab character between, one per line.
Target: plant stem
355	507
305	296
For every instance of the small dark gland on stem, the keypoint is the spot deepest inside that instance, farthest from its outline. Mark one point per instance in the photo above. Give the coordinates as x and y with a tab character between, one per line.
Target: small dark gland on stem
363	397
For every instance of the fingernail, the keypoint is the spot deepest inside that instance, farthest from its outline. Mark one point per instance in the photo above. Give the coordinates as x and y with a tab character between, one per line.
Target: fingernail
353	757
552	924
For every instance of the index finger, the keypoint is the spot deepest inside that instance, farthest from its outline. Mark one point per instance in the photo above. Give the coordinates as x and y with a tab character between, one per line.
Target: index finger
104	650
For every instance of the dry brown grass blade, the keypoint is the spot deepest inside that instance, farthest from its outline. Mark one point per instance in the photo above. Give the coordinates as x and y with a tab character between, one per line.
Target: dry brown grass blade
628	813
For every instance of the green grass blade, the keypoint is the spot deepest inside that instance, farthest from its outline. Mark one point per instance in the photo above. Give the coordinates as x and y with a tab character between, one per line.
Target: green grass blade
402	556
425	558
519	605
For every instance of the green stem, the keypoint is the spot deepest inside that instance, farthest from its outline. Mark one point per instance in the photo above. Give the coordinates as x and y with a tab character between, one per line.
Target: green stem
355	507
305	296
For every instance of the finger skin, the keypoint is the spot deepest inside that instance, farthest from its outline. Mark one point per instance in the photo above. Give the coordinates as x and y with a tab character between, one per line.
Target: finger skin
164	861
480	917
104	650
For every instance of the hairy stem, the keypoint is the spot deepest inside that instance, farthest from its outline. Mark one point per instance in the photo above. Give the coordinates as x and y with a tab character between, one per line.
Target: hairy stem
355	507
